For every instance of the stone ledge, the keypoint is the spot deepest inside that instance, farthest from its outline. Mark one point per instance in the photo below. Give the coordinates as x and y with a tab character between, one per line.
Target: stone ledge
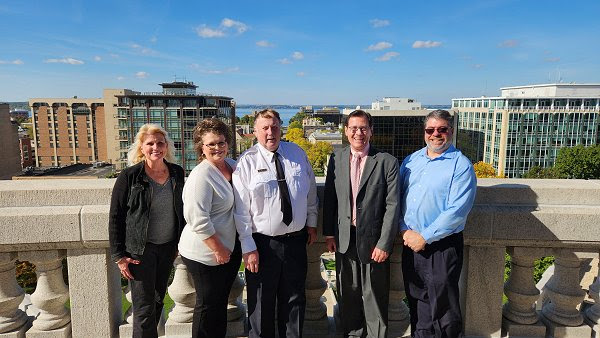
94	222
39	224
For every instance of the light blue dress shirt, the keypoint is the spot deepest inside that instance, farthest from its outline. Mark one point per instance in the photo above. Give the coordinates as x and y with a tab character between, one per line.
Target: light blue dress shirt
437	194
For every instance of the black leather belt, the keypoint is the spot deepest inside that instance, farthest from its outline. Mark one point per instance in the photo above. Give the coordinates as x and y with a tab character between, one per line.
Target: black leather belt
288	235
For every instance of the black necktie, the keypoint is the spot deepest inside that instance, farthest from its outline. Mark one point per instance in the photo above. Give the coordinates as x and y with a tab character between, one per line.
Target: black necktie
284	193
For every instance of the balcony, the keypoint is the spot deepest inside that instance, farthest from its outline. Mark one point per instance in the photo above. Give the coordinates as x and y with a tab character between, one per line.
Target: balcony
46	221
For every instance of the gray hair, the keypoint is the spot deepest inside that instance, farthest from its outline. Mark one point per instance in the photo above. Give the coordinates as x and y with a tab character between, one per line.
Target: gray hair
439	114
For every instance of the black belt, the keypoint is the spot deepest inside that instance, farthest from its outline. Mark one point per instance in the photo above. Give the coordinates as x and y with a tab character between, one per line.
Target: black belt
288	235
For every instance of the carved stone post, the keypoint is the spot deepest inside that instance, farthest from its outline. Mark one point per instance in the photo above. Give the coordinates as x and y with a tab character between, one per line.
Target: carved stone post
183	293
592	314
563	291
315	322
520	288
12	320
50	295
236	312
399	315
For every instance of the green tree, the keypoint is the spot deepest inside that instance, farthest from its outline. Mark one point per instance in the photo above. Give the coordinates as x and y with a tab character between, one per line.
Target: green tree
295	125
295	135
539	172
298	117
579	162
247	119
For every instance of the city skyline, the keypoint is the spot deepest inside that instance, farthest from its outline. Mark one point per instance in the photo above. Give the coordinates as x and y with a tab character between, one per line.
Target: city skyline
282	53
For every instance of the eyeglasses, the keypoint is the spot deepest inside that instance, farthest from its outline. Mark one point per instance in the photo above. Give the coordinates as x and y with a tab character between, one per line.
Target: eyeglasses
440	130
363	130
216	145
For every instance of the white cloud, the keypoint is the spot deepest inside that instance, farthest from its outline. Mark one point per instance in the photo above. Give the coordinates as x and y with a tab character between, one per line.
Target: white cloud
226	25
377	23
141	75
508	44
264	43
115	56
97	58
552	59
240	27
387	56
233	69
284	61
206	32
216	71
297	56
426	44
142	49
153	39
478	66
120	78
300	74
13	62
379	46
70	61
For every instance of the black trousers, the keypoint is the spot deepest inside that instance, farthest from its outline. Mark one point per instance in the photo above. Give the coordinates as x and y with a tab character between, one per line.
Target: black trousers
280	280
149	286
213	284
431	283
363	293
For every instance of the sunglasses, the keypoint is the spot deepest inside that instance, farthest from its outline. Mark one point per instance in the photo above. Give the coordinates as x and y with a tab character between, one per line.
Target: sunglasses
440	130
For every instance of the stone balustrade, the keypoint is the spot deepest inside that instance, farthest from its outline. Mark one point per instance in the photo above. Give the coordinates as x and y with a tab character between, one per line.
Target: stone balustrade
46	221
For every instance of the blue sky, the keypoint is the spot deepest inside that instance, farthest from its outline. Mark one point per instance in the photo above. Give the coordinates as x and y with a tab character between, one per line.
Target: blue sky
296	52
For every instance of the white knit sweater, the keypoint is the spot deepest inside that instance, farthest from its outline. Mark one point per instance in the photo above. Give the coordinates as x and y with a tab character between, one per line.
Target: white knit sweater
208	210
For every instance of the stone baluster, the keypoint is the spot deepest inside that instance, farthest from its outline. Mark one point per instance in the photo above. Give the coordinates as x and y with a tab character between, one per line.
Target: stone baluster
316	321
183	293
12	319
520	288
564	291
50	294
399	315
129	312
236	312
592	313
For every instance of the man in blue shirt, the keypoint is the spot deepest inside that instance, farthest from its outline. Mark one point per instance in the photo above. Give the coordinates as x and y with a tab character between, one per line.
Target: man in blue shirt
438	189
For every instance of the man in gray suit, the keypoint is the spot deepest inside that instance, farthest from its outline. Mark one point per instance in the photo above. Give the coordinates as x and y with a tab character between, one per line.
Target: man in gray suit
360	223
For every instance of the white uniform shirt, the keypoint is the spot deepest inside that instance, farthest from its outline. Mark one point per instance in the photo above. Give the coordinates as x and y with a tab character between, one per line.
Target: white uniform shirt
257	201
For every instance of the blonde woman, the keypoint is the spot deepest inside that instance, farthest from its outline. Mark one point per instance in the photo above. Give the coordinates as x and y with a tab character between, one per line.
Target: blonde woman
146	220
209	246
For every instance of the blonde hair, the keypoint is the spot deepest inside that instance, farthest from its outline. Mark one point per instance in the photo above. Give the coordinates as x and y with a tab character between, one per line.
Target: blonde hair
134	155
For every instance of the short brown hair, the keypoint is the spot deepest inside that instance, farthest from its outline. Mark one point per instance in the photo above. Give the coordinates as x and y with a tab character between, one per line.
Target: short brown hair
359	113
210	125
268	114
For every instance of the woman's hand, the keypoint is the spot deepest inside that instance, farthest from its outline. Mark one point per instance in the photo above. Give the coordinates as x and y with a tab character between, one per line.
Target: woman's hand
222	255
123	264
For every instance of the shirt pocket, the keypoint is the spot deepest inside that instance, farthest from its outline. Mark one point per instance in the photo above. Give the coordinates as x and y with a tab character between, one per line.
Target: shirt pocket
265	185
299	184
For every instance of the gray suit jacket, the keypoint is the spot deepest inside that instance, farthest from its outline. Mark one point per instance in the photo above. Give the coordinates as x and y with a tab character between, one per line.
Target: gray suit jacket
377	208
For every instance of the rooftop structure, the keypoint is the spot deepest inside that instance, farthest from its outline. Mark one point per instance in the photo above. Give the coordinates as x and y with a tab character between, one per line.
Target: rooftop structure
527	125
395	103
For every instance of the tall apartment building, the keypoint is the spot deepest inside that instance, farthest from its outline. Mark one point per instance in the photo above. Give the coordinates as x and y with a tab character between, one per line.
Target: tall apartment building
397	125
68	131
177	108
526	125
10	154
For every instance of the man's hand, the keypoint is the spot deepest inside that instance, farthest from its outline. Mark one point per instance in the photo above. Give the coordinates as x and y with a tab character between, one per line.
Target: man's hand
379	255
251	261
413	240
330	241
123	264
312	235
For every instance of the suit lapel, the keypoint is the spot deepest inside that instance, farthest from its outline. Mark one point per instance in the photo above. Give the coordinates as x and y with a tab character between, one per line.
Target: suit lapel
369	166
345	168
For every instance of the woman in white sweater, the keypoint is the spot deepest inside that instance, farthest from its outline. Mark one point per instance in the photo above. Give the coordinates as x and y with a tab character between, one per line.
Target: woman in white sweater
209	246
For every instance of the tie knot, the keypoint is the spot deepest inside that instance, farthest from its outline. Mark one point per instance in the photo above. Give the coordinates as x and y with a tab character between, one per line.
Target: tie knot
356	157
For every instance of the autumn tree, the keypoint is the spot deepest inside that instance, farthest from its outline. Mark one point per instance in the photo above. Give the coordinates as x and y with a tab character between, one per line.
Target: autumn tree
484	170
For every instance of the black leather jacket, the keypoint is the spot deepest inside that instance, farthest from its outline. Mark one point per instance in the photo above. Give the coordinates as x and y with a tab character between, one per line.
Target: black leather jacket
130	207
